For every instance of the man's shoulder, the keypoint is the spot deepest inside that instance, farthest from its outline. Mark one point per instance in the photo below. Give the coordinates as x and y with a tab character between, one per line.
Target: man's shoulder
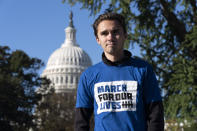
93	69
139	62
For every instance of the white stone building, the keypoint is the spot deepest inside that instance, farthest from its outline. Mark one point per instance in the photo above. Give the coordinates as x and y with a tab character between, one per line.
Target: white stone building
66	63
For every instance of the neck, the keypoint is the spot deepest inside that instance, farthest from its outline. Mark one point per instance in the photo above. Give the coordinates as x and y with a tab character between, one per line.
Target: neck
114	57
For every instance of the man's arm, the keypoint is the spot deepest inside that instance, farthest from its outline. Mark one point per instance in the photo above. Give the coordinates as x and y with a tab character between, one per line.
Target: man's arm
82	119
153	102
155	116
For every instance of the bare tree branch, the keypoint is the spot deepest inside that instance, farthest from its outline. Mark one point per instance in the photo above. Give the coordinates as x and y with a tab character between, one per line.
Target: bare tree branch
175	24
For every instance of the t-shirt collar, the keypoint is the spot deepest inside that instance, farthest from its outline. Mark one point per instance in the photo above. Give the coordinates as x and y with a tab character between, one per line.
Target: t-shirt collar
127	55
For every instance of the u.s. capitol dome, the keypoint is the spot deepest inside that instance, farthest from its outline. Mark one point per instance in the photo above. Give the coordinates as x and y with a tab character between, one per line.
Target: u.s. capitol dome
66	63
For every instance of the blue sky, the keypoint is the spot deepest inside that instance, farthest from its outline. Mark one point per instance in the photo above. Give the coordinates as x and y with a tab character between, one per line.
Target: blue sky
37	27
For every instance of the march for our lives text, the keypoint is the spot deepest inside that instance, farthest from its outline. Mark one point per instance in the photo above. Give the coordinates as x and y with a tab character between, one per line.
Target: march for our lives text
115	96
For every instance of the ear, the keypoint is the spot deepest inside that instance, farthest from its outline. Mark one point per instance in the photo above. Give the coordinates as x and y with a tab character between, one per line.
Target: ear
98	41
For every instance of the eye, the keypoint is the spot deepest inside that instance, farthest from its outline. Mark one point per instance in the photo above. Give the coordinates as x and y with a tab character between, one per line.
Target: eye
116	31
104	33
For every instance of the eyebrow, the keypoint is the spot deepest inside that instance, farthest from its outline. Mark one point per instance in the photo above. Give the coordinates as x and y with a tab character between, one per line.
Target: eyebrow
105	31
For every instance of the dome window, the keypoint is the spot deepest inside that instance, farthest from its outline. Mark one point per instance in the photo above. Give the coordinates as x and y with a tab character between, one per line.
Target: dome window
57	80
66	79
76	79
71	79
61	80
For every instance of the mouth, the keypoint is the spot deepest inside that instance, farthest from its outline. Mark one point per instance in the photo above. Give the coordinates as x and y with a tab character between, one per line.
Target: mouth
111	43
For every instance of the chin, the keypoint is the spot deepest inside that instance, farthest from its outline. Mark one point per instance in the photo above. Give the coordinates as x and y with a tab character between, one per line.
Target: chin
112	52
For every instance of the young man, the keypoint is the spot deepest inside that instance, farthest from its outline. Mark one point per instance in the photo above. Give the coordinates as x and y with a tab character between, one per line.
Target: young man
122	91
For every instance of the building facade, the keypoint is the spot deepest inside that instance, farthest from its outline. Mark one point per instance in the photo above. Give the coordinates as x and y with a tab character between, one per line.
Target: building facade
66	63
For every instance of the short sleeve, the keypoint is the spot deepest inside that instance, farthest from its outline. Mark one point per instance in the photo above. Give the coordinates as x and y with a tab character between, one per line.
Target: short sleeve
150	85
84	96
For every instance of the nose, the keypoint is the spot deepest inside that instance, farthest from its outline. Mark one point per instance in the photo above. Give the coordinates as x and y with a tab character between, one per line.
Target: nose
110	36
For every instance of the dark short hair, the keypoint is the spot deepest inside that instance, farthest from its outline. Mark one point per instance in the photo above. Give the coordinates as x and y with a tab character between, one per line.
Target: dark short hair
109	16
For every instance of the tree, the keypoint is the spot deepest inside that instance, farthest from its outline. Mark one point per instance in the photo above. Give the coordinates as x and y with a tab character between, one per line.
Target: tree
182	87
56	112
18	80
166	32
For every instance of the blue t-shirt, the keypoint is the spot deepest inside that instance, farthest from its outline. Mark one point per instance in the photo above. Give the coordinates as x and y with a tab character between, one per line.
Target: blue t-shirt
118	94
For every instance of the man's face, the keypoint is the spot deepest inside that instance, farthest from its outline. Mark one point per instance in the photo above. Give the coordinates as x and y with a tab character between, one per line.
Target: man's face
111	37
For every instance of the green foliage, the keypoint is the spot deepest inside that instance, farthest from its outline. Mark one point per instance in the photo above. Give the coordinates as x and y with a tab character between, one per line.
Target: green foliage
18	79
93	5
182	87
166	32
56	112
193	127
